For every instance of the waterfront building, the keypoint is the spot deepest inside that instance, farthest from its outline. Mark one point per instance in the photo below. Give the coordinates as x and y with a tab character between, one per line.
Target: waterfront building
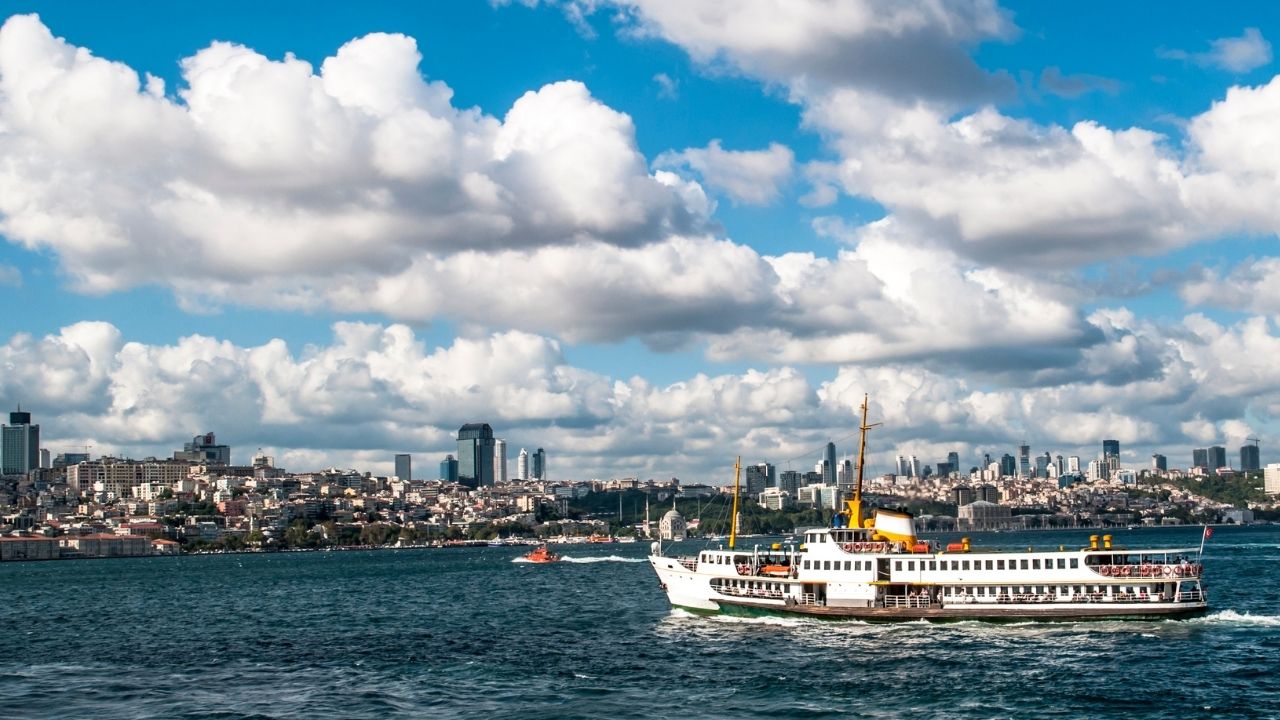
475	455
500	460
522	465
404	466
1250	458
116	478
205	450
672	526
983	515
19	444
449	469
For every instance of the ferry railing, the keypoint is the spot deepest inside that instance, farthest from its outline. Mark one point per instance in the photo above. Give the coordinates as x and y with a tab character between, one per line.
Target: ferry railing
1150	571
906	601
1189	596
690	563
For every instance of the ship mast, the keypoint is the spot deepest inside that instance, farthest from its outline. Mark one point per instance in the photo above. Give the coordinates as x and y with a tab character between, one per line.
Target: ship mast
733	522
854	506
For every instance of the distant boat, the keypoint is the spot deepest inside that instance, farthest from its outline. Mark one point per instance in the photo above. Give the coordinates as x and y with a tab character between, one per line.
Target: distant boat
541	554
597	538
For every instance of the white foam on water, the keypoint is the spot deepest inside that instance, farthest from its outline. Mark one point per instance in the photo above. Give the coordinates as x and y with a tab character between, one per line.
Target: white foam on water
1231	617
607	558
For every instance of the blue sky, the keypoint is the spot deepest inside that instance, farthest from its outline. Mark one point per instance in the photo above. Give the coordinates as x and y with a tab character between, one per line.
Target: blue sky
645	236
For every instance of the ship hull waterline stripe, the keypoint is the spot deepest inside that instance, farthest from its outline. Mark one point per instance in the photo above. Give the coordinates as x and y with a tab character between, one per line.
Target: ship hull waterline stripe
889	615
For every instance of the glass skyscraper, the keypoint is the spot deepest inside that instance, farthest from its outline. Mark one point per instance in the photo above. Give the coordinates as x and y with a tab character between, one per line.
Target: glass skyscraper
19	444
475	455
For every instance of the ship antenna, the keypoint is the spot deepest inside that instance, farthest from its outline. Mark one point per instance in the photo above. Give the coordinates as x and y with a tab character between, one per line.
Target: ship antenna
854	506
733	521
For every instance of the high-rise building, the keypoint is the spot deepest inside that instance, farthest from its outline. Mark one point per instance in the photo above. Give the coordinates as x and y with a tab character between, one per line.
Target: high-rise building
1250	458
953	459
790	481
1159	462
204	450
1217	457
1042	464
539	462
829	464
1073	464
913	466
475	455
962	495
522	465
901	462
1200	458
1024	461
404	466
19	444
1110	448
1008	465
757	478
449	469
500	460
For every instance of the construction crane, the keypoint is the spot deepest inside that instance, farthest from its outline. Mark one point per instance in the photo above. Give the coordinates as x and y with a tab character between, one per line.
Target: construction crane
1255	441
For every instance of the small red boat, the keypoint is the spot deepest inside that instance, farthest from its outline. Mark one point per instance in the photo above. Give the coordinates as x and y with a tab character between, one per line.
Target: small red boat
541	554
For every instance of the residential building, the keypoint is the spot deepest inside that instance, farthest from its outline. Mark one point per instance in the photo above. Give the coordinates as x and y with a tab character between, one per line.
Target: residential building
1217	458
1271	479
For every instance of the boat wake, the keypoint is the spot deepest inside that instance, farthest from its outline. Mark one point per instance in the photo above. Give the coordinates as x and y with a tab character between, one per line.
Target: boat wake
606	558
1231	617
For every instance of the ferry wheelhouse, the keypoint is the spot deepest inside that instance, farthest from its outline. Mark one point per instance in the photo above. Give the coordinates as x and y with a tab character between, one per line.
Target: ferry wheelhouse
877	569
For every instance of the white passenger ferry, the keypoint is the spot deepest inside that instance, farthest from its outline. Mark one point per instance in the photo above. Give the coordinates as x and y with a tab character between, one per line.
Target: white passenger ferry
876	569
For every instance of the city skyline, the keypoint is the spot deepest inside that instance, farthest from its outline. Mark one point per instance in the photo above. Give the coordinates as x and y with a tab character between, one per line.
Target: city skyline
638	235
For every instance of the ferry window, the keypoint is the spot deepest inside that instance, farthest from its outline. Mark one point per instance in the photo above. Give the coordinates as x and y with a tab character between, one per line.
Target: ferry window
989	565
933	564
848	565
1062	564
964	565
999	564
955	564
1075	563
804	564
826	564
1035	564
1024	563
897	564
911	564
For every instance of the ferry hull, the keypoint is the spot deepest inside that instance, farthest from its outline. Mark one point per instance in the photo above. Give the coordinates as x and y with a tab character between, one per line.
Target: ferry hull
743	608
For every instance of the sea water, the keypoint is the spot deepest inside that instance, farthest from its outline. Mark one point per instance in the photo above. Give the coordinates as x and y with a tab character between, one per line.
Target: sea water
473	633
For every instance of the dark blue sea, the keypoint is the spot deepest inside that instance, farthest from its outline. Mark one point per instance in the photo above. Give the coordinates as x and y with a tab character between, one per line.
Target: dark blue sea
468	633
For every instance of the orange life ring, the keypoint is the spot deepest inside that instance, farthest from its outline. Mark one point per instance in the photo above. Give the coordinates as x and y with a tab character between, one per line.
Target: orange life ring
860	547
1168	571
1177	571
1105	569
